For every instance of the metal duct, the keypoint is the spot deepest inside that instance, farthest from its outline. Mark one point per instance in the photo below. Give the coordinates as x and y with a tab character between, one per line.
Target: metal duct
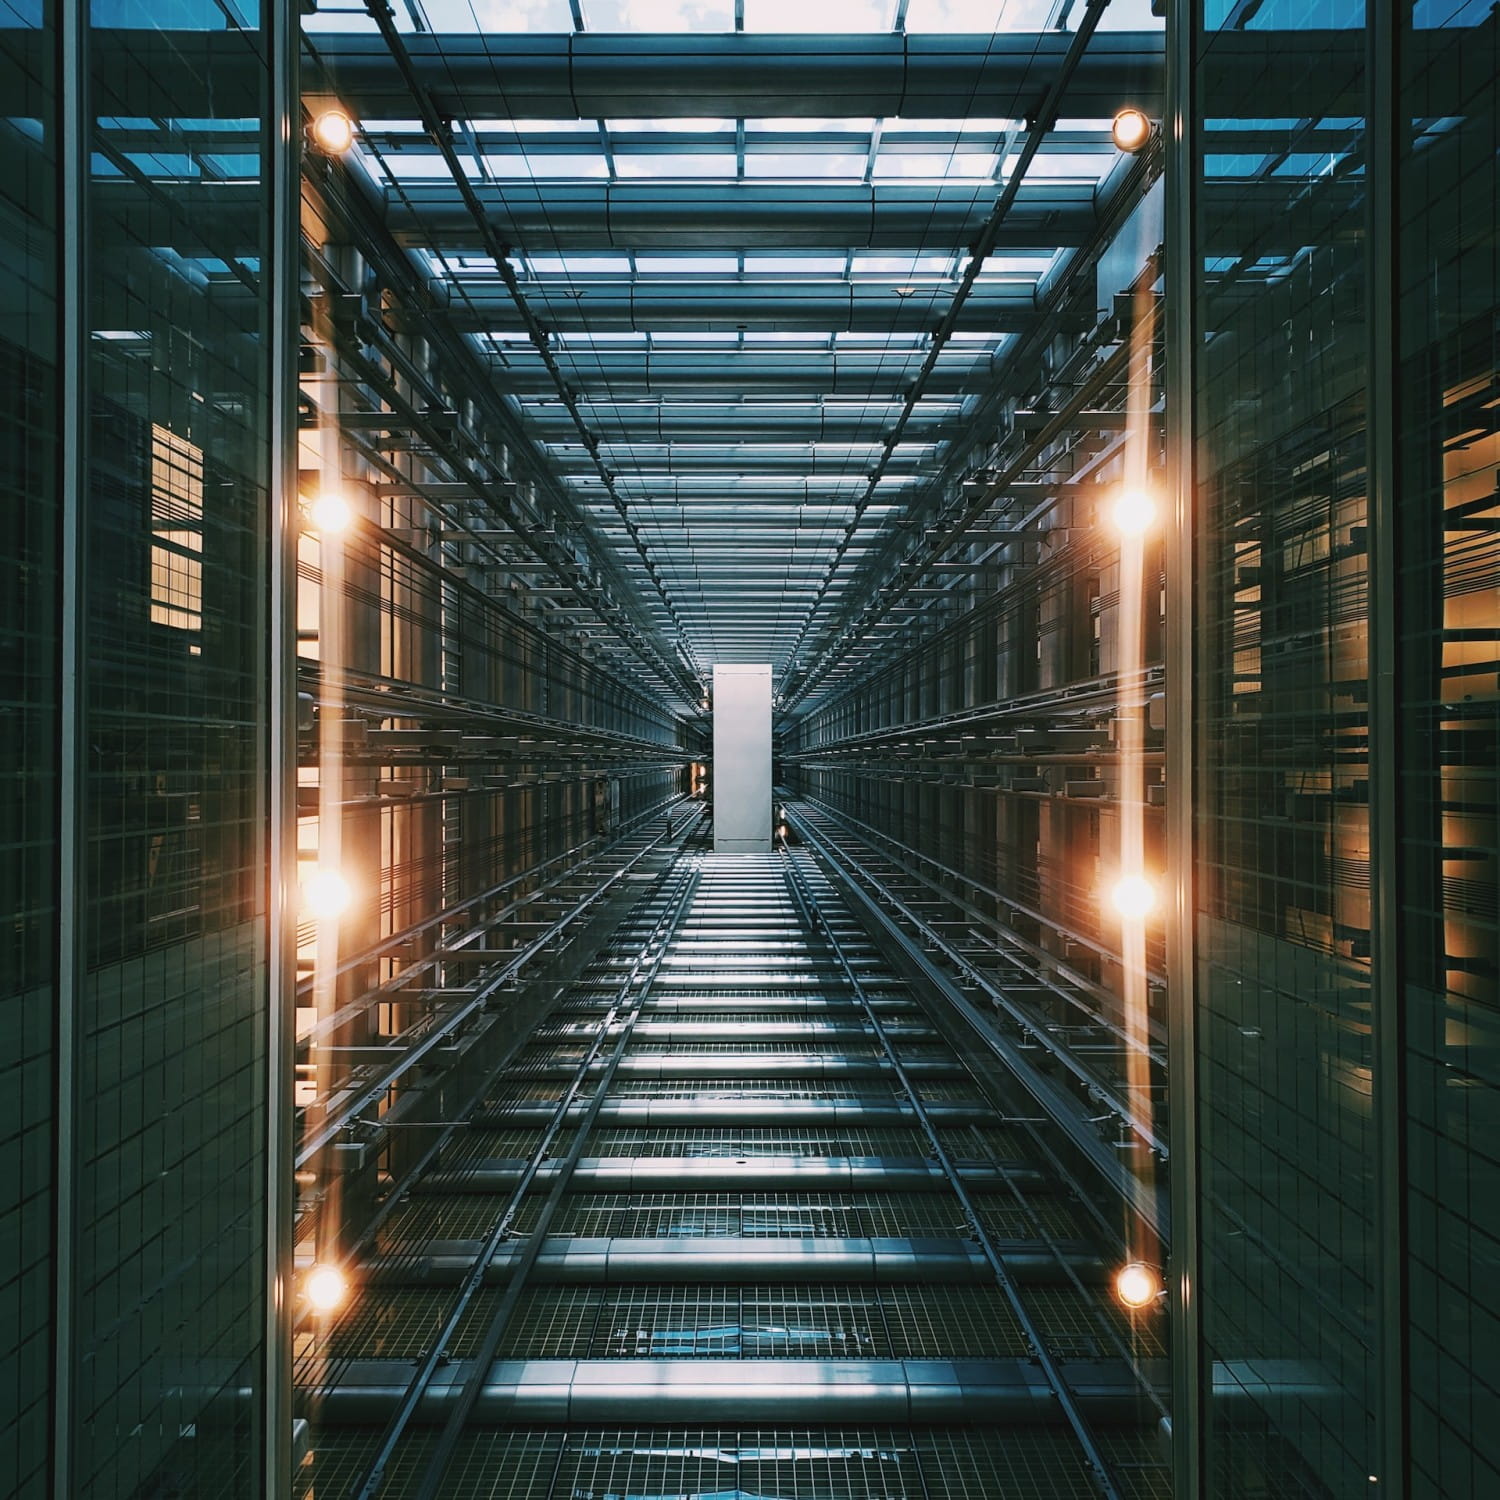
670	1065
807	1174
567	1259
752	1111
741	1392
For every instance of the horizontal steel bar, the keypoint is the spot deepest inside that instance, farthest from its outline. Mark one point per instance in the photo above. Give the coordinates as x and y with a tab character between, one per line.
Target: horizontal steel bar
588	75
749	1111
814	1065
740	1392
571	1260
732	305
746	1171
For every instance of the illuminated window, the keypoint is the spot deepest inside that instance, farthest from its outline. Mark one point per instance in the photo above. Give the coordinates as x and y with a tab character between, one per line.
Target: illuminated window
176	531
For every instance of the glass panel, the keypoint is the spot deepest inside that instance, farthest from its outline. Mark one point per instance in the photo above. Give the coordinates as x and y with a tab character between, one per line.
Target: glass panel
30	506
1282	800
171	1024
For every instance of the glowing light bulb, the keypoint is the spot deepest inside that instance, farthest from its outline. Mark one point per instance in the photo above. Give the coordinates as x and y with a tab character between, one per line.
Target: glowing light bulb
1137	1285
333	132
331	513
325	893
1133	897
1130	130
1133	512
326	1288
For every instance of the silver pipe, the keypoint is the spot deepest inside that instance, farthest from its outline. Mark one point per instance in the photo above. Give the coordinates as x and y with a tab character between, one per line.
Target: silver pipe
749	1111
669	1065
740	1392
571	1260
749	1173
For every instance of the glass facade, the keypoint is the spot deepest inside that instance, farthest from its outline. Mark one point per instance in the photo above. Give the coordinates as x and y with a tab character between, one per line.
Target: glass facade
137	345
29	543
1340	180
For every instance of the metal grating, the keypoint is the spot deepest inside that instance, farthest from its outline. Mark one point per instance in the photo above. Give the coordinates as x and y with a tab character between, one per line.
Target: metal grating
513	1464
1071	1325
554	1323
1139	1464
940	1322
789	1464
714	1090
973	1464
757	1142
401	1323
475	1144
340	1455
1058	1218
437	1216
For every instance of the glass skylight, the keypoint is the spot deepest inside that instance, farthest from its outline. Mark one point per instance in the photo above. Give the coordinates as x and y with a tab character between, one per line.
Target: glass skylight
548	164
578	265
495	15
935	164
675	164
658	15
687	265
792	164
828	16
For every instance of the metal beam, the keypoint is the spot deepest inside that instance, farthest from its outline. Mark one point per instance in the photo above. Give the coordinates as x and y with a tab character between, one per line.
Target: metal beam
596	75
725	305
551	216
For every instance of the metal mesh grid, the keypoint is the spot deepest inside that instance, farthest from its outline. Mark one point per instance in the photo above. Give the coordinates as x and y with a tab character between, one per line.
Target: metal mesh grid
768	1215
514	1464
951	1091
867	1464
1139	1464
757	1142
340	1455
478	1144
439	1216
990	1142
817	1026
553	1323
1069	1321
529	1059
1006	1221
669	1323
972	1464
946	1322
731	1090
750	1047
402	1322
649	1216
813	1322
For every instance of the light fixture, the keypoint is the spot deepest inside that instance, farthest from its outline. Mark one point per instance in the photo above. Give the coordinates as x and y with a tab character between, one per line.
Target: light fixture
325	1287
1130	129
1133	512
1137	1285
332	132
904	291
330	513
326	894
1133	897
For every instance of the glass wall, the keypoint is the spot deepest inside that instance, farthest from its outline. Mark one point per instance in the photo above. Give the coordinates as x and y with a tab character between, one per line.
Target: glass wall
137	348
29	516
1339	172
1447	622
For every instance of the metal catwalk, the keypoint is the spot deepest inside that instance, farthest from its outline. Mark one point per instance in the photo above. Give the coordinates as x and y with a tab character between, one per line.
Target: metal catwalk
734	1223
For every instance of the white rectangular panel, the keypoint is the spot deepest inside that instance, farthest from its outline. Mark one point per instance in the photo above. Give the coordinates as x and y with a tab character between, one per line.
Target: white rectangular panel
742	759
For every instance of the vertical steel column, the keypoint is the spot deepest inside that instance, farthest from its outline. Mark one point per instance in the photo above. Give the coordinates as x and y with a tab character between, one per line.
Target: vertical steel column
281	139
1189	1396
1387	1009
74	137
